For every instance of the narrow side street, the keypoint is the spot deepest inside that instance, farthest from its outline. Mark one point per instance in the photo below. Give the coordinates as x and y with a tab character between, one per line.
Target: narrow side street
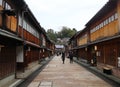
56	74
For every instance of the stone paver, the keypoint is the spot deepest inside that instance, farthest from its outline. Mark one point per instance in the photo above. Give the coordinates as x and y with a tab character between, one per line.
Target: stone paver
56	74
34	84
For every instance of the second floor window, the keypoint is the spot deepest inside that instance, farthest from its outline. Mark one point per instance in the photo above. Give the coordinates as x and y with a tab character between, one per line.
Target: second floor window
116	16
24	24
7	6
20	21
44	42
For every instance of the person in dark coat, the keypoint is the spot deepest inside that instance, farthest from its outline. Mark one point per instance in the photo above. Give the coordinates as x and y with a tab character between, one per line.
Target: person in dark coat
63	57
71	57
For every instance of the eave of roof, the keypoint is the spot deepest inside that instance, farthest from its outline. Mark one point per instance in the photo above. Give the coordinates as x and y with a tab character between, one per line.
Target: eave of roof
107	8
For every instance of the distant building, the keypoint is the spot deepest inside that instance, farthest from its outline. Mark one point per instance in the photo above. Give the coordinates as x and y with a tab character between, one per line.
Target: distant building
65	41
59	48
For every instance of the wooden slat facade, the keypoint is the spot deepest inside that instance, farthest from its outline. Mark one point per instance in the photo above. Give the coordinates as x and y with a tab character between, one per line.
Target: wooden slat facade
31	56
108	52
28	36
82	41
103	38
107	30
7	61
82	53
11	23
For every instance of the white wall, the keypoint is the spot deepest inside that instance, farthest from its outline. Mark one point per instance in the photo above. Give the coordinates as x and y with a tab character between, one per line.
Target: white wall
20	54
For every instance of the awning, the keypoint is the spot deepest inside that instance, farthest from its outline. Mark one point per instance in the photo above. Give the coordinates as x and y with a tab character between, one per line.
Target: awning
79	47
105	39
9	35
32	44
97	41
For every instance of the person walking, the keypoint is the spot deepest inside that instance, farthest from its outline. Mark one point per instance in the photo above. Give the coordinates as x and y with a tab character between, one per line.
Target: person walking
71	57
63	57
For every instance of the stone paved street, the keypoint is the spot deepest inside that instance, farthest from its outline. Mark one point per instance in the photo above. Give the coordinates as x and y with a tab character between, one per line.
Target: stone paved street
56	74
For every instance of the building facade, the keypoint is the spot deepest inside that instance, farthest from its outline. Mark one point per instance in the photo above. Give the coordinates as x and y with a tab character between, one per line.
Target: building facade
22	39
98	43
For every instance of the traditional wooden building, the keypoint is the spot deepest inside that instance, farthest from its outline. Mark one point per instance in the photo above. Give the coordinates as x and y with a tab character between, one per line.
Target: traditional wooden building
9	39
99	42
22	40
47	47
30	31
50	47
104	37
73	44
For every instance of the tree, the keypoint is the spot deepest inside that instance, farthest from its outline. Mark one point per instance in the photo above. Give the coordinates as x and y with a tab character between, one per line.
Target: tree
50	31
74	30
51	34
64	33
67	32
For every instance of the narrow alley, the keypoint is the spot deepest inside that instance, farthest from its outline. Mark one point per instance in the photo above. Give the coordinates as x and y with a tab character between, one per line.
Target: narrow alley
56	74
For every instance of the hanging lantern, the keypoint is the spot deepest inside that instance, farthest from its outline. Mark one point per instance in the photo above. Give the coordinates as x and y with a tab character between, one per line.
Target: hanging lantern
95	47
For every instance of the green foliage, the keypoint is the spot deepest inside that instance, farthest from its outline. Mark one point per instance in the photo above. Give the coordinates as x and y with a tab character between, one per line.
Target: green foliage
64	33
52	35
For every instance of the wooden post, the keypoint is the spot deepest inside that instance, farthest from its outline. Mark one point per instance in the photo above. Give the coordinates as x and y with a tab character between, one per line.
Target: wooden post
118	11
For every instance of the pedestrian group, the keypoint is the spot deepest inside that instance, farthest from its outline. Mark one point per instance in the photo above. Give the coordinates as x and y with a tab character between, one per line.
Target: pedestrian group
70	56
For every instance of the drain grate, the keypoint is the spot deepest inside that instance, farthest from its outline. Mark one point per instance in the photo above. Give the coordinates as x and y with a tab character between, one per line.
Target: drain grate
52	66
34	84
45	84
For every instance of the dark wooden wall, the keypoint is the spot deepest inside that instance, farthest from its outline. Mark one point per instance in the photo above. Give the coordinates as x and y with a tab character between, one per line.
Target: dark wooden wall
7	61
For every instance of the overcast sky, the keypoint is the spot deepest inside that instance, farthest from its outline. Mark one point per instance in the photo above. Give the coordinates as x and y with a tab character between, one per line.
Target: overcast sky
53	14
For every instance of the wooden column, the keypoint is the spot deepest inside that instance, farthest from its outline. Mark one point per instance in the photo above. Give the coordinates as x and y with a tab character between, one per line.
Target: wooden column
118	11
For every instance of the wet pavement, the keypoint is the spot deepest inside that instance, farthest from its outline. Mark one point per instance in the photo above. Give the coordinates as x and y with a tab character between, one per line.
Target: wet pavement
56	74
